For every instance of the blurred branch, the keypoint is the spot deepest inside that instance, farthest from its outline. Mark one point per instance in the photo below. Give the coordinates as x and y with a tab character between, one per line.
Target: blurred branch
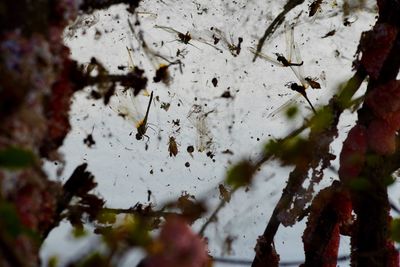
80	182
90	5
213	216
296	178
275	24
139	211
283	263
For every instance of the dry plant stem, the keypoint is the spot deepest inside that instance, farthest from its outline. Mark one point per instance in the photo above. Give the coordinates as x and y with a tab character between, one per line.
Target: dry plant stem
300	173
90	5
71	187
153	213
213	216
275	24
241	262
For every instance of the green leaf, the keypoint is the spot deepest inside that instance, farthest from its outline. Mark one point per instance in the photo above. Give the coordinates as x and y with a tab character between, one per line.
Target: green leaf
389	180
10	219
272	147
106	217
395	229
16	158
240	175
322	120
53	261
291	112
79	232
94	259
359	184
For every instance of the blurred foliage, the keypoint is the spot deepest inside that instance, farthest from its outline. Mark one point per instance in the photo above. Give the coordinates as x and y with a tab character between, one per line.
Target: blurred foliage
322	119
359	184
16	158
240	174
292	112
290	151
9	219
79	232
395	230
53	261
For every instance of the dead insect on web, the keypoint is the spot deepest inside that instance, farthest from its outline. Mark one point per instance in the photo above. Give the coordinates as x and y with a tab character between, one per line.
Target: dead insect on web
328	34
280	60
302	90
172	147
224	193
220	37
176	123
186	37
142	126
165	106
286	62
89	141
198	117
314	7
126	105
162	73
283	61
226	94
313	82
297	69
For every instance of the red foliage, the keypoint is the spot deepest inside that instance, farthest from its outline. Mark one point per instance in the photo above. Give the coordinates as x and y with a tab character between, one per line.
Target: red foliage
352	156
393	258
57	110
268	255
330	209
30	75
381	137
375	46
27	203
385	104
178	246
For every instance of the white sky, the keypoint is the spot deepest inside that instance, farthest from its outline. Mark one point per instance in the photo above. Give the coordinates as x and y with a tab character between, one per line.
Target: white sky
123	175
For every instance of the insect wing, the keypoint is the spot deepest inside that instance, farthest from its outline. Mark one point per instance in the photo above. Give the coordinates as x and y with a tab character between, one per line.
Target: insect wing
300	71
131	65
284	106
313	83
202	40
127	106
145	14
292	49
289	36
167	29
228	45
265	57
198	118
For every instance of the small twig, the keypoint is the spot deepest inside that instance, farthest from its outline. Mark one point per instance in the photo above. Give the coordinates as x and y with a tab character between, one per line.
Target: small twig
284	263
72	186
213	215
144	213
